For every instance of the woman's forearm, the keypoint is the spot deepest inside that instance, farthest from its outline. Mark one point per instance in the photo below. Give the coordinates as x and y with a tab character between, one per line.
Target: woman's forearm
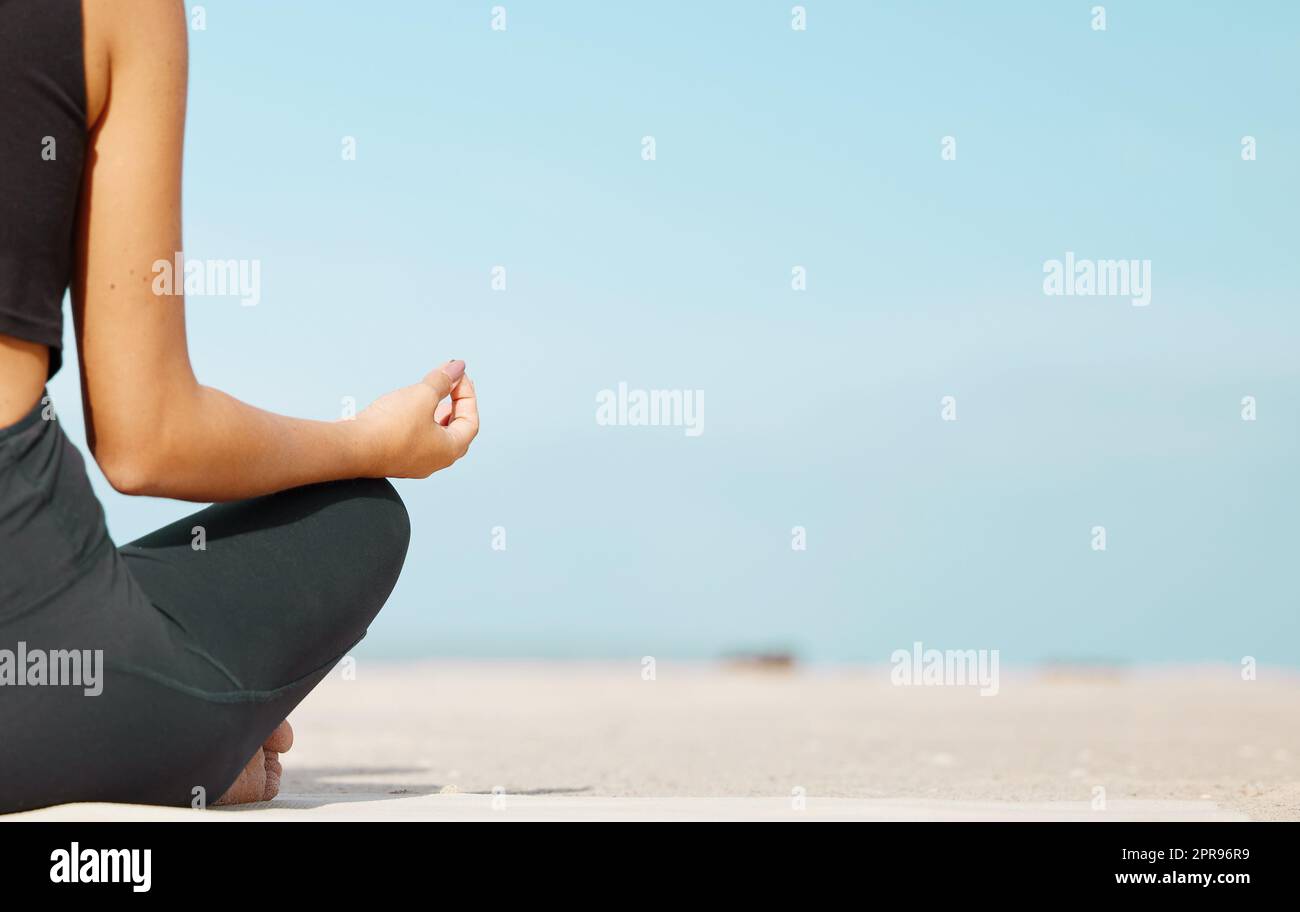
209	446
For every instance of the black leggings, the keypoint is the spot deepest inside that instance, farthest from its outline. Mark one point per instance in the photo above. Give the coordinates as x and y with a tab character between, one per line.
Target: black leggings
210	629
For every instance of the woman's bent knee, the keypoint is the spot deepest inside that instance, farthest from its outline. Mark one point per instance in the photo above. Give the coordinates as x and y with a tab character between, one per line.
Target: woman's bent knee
374	532
387	523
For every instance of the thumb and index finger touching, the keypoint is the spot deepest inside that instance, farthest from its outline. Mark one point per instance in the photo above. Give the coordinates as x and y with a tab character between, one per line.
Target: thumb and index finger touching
461	419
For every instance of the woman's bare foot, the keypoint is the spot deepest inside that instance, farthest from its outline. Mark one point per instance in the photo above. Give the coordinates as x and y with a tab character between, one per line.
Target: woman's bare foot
260	779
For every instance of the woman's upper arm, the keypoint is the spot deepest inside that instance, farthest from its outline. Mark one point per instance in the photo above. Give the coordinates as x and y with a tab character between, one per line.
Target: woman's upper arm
131	341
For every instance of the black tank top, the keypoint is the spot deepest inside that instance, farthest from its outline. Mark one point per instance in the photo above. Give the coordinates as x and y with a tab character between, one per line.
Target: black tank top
42	150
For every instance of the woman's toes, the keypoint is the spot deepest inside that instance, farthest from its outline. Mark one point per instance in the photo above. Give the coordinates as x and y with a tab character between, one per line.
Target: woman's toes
281	739
260	779
251	784
273	772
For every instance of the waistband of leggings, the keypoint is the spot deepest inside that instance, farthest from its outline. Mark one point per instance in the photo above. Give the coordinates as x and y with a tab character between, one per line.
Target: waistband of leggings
33	415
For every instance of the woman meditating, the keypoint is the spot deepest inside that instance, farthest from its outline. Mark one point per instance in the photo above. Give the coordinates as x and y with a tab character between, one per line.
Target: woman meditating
213	628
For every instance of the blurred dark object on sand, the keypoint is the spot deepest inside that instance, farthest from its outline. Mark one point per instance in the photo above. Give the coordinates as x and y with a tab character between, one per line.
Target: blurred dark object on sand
766	660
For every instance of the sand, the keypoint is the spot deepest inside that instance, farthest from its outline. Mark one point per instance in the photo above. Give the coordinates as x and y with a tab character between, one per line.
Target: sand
453	741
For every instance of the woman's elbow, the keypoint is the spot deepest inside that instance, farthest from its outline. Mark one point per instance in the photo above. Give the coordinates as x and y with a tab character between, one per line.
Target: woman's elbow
130	470
132	447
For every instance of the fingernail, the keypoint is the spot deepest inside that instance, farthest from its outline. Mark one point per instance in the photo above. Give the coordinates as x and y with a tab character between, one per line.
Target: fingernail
454	370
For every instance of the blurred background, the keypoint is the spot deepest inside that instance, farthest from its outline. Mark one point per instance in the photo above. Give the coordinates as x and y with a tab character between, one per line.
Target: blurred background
776	148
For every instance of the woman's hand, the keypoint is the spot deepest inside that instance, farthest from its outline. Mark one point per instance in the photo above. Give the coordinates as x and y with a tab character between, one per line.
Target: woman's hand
414	431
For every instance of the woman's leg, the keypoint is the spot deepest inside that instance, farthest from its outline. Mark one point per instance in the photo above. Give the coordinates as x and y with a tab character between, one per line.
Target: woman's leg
271	593
191	644
274	587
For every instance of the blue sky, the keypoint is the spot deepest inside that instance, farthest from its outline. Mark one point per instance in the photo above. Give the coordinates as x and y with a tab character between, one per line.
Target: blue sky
777	148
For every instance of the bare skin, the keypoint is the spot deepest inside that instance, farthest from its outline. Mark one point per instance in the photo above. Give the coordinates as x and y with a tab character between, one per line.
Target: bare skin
260	780
23	366
152	427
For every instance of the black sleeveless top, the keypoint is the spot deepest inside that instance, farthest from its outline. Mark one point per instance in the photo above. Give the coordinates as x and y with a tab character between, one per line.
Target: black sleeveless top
42	150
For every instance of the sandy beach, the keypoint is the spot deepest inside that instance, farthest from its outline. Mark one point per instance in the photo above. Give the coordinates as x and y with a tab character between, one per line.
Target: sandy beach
454	741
